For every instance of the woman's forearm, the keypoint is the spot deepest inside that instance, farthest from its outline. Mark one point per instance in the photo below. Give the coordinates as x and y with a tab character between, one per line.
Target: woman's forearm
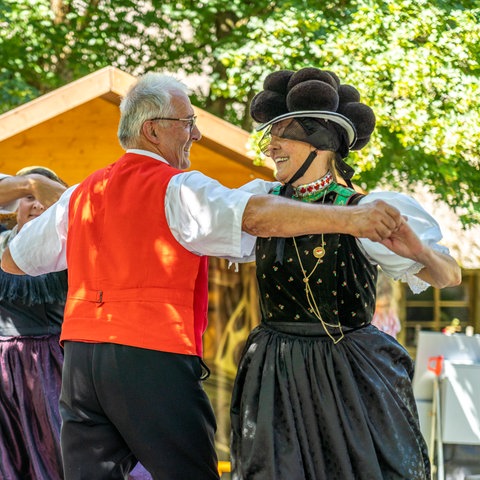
439	270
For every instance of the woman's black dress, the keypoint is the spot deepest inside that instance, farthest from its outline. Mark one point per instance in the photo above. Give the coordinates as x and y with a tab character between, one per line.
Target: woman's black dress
307	408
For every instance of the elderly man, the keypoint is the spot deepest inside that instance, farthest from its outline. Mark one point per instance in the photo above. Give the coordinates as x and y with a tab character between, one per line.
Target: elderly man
136	236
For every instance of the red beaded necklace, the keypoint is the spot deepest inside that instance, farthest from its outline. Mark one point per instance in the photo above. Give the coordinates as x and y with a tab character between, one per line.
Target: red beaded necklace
310	189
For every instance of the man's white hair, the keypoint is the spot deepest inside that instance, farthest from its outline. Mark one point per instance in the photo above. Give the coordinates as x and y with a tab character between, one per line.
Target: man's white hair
150	97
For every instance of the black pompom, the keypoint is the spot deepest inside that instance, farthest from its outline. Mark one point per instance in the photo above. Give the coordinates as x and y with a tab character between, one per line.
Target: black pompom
267	105
360	143
312	95
347	94
334	76
278	81
361	116
311	73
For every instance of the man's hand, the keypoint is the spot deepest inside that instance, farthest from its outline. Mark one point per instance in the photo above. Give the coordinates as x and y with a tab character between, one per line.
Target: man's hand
45	190
375	220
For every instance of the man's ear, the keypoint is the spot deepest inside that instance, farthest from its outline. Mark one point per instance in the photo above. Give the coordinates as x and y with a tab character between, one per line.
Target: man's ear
149	132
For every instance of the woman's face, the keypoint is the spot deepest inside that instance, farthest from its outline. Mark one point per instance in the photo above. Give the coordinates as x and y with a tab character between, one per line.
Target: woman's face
28	209
288	155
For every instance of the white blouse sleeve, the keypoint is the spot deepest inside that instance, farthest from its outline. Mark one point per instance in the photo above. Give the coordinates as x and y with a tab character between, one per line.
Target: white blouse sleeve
422	223
47	252
206	218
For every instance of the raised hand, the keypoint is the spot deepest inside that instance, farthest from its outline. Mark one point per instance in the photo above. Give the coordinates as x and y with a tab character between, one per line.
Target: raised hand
46	191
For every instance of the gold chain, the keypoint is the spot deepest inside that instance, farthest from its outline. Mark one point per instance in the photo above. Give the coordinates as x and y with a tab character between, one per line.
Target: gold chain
318	253
311	298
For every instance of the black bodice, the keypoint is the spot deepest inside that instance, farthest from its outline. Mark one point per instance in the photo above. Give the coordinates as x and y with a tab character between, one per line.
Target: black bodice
343	282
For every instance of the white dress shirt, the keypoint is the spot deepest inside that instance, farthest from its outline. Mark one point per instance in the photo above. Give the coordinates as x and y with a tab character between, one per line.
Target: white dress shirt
203	215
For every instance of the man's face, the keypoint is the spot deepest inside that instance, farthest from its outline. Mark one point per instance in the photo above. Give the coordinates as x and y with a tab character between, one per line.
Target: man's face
178	135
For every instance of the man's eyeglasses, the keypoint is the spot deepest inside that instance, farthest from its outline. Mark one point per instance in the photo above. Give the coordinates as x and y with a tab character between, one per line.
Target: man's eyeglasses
190	121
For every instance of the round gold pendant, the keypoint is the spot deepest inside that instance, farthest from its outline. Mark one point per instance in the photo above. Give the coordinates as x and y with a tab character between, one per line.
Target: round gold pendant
318	252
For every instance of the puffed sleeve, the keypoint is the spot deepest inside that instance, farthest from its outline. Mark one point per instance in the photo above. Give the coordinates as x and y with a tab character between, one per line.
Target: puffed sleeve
40	246
421	222
206	217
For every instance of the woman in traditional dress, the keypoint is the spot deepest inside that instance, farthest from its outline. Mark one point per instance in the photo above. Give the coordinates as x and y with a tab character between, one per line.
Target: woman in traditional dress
31	315
321	394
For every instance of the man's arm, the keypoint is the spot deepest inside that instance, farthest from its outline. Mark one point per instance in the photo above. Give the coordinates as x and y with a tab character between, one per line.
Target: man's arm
40	247
45	190
273	216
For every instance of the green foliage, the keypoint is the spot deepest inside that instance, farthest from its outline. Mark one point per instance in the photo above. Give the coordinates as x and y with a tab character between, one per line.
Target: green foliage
416	62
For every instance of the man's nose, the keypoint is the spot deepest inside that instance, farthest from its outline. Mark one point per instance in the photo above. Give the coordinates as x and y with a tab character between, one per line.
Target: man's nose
196	134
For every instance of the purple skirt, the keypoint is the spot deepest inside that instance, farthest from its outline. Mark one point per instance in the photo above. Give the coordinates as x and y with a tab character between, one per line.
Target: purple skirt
30	380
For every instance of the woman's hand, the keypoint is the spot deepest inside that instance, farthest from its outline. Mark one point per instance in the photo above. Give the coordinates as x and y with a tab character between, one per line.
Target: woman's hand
440	270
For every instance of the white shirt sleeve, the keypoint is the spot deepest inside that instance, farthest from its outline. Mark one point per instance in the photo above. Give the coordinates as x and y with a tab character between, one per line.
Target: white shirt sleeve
422	223
47	253
206	217
9	207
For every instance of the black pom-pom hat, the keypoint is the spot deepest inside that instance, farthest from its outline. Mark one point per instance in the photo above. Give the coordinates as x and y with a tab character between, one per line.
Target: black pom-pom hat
312	93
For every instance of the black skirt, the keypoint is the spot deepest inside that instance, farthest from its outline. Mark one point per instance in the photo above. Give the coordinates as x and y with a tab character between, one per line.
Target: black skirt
304	408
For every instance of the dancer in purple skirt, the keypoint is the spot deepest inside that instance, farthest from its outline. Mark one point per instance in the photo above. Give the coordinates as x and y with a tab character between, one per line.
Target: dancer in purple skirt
31	315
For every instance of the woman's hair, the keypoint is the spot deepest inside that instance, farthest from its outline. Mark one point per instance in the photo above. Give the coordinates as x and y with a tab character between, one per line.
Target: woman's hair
46	172
332	166
150	97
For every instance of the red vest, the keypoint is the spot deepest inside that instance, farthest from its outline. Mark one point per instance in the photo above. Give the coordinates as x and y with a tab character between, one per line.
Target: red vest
129	281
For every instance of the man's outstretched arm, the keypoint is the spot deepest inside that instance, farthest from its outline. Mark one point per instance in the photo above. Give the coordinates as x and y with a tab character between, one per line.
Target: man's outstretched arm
273	216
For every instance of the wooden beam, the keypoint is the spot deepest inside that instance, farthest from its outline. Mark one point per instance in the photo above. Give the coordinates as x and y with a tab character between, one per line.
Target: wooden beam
103	82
